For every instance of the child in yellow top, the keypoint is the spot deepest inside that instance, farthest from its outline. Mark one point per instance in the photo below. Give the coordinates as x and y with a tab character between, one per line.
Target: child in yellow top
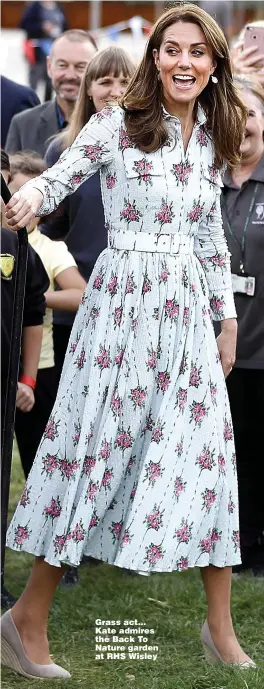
61	268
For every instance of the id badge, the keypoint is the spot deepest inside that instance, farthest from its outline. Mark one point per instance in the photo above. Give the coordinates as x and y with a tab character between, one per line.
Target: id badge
242	284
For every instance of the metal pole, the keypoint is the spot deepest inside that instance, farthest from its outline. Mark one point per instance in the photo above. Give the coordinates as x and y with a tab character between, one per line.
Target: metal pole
95	14
11	386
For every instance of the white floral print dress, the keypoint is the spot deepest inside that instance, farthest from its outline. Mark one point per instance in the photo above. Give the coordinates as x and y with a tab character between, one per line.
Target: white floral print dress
137	465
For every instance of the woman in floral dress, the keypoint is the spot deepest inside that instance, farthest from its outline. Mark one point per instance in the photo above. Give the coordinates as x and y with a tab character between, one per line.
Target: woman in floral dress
136	466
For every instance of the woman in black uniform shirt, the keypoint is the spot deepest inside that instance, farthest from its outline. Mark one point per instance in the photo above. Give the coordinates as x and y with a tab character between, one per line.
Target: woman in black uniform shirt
243	217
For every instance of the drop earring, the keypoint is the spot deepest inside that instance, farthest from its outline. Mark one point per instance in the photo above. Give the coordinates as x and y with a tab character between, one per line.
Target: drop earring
158	75
214	79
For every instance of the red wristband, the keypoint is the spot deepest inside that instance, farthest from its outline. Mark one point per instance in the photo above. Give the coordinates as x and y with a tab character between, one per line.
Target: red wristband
28	381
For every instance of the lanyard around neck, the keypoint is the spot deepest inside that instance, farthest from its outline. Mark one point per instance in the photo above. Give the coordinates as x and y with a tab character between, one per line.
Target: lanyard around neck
243	242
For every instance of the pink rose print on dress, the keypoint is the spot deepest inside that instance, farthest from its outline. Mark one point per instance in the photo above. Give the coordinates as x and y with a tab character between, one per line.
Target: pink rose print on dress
233	461
236	540
88	465
182	172
112	285
154	520
51	430
94	153
163	380
74	344
130	284
98	280
201	137
152	472
195	377
179	447
181	399
221	464
76	437
124	140
107	477
91	491
50	464
94	315
106	112
228	431
152	359
118	312
59	542
53	510
157	433
21	535
130	465
25	499
94	520
119	356
143	168
78	534
78	177
154	553
215	537
184	364
184	533
133	492
138	397
164	273
116	405
111	181
213	391
198	412
150	423
124	440
213	173
105	451
130	213
165	214
146	287
89	435
182	564
186	316
81	360
171	310
196	213
206	543
217	306
115	529
218	261
126	538
206	459
209	498
184	278
179	487
103	360
68	469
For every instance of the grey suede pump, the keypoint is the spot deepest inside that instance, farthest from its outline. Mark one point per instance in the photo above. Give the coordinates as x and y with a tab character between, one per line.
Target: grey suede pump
13	655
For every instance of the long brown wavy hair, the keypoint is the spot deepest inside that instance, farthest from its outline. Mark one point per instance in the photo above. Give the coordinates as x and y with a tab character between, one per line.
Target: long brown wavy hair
225	112
111	61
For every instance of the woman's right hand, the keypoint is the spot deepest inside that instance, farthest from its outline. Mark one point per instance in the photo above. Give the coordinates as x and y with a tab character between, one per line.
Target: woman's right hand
22	208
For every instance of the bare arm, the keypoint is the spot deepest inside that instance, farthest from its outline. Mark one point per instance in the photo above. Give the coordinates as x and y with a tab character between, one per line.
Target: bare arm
69	296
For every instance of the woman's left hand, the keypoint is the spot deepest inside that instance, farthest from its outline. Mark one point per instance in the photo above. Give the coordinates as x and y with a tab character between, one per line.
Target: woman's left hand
226	342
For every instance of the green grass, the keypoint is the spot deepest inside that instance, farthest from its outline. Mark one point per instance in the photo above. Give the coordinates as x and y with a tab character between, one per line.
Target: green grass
106	592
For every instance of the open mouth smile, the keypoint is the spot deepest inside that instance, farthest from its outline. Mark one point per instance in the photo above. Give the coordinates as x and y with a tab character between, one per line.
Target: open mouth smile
183	81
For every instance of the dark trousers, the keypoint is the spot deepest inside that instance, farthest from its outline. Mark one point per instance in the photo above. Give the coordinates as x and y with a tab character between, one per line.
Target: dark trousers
61	336
246	395
29	427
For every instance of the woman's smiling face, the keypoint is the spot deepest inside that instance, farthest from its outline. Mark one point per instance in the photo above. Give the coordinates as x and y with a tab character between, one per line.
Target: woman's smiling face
185	62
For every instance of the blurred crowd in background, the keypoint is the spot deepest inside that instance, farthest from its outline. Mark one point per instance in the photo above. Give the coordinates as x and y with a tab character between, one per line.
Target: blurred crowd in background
65	72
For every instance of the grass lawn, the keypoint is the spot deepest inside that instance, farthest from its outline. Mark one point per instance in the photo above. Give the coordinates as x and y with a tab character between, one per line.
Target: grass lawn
107	593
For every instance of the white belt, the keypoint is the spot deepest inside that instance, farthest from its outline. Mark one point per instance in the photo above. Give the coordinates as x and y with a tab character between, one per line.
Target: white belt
147	241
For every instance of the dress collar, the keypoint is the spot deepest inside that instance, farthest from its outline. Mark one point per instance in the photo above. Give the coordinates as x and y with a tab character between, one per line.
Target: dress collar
200	117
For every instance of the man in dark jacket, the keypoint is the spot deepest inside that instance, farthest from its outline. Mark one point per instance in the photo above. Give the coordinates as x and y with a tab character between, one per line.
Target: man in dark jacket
14	99
66	64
